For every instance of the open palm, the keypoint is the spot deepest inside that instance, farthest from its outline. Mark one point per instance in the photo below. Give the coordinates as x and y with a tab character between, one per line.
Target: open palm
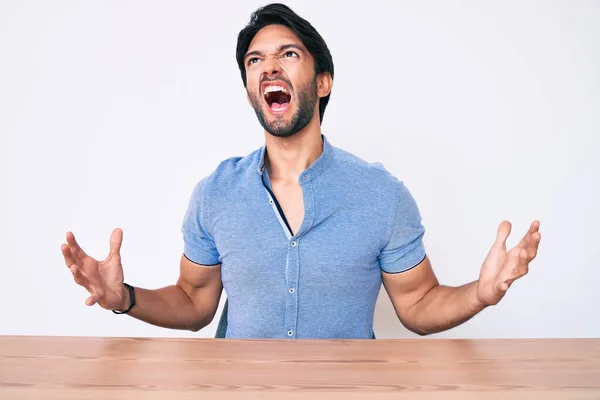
501	267
103	280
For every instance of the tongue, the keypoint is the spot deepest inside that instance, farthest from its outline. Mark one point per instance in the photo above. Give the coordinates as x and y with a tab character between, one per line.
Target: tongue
278	106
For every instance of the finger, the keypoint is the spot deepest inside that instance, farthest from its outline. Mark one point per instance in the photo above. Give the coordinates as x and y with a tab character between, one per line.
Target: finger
533	228
75	249
82	280
116	239
79	276
502	234
516	265
531	245
66	251
523	264
90	301
95	296
511	266
515	261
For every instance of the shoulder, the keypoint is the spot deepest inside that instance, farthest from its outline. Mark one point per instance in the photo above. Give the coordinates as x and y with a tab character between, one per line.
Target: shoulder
371	175
232	172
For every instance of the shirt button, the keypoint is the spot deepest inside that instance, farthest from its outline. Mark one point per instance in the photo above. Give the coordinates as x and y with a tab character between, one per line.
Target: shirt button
290	333
270	201
292	290
293	244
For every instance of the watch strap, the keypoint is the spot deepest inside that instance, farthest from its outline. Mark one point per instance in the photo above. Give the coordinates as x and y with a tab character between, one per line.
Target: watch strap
131	299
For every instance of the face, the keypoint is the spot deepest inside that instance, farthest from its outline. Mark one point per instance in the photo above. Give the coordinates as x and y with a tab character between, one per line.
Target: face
281	82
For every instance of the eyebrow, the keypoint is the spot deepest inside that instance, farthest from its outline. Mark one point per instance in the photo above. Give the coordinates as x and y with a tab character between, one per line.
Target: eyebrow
278	50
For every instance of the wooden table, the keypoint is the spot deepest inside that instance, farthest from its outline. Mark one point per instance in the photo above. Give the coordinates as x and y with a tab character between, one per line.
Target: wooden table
172	369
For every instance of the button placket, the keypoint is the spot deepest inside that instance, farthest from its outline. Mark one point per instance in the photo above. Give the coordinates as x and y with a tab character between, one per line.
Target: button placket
291	314
293	265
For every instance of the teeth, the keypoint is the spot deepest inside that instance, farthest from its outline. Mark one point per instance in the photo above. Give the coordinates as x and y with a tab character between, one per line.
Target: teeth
275	88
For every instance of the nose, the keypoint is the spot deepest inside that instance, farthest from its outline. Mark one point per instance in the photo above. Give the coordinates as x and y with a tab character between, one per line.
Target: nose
271	67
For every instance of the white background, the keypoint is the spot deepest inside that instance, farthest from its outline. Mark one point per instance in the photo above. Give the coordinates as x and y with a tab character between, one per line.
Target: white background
110	112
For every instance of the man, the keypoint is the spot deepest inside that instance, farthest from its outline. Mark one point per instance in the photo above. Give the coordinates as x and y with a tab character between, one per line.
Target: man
299	233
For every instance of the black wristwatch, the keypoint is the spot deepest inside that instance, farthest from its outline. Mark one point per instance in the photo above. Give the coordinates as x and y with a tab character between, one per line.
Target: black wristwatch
131	299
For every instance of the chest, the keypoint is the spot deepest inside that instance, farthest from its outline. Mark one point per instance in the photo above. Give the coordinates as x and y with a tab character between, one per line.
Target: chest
290	199
338	236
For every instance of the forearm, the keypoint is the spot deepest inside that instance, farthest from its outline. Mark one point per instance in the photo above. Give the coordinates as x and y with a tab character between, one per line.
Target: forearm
167	307
443	308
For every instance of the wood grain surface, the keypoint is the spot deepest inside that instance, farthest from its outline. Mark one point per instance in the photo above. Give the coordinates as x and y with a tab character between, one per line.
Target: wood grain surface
141	368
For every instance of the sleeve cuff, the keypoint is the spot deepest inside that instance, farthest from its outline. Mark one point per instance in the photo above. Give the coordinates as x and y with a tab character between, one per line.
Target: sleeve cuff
406	262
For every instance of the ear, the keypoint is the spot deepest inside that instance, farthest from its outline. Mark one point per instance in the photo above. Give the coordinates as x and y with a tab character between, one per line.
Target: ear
324	84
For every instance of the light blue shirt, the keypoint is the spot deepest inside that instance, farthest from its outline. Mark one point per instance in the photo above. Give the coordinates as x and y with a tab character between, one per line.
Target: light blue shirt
322	281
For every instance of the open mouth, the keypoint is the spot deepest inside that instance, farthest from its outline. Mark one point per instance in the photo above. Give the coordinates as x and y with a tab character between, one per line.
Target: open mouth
277	97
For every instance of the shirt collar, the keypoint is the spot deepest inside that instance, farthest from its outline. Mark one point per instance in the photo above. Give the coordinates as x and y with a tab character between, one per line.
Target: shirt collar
314	170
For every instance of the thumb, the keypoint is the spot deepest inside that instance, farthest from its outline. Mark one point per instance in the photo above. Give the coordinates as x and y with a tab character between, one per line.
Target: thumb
502	234
116	239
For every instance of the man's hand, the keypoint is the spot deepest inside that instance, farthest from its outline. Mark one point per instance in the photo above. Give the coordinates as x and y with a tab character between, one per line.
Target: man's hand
501	268
103	280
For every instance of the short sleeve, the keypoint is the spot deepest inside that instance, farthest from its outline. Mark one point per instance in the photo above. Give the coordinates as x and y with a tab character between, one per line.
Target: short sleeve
404	248
198	244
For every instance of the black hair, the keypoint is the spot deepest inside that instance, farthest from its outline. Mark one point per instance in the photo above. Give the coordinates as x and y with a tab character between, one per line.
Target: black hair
280	14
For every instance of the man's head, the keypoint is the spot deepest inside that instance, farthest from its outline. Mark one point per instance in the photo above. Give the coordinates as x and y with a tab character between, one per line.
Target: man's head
286	68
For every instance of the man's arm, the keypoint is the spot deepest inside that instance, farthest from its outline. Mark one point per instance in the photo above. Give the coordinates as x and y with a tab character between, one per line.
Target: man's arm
190	304
425	307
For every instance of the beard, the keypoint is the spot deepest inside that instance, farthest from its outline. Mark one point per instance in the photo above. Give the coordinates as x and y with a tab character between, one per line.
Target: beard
305	98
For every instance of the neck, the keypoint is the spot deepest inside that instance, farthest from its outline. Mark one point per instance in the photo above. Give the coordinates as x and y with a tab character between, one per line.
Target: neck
288	157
